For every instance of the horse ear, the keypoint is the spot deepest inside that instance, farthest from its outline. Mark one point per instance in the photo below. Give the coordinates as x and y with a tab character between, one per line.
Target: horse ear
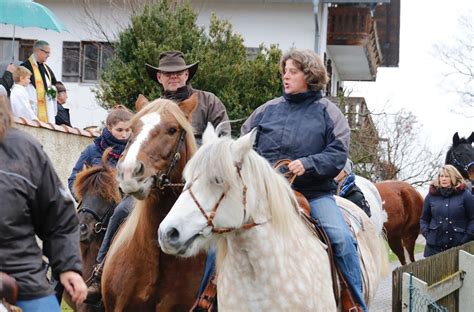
244	144
456	139
189	105
141	102
471	138
209	134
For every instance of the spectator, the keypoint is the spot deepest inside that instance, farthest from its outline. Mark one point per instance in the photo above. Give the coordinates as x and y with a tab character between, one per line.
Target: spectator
34	203
175	75
62	117
448	212
19	98
7	79
42	80
347	188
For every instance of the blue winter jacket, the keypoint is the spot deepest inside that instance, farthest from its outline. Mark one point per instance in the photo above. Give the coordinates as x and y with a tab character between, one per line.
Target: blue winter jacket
447	221
307	127
92	155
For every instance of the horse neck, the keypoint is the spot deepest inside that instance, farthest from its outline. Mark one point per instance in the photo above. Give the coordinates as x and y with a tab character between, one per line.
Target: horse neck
261	266
154	209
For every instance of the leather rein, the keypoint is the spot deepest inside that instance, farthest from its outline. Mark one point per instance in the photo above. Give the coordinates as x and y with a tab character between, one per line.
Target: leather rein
212	214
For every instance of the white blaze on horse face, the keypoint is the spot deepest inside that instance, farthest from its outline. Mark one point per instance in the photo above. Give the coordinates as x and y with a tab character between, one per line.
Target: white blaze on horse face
149	122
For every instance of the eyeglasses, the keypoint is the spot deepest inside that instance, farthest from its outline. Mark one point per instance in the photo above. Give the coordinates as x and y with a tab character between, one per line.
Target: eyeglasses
47	52
169	74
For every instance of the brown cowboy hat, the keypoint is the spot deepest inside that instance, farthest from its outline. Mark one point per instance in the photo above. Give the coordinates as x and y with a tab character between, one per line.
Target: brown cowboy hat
171	61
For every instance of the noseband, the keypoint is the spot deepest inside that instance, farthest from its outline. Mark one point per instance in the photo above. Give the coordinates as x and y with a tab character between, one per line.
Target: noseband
100	225
459	164
162	180
210	217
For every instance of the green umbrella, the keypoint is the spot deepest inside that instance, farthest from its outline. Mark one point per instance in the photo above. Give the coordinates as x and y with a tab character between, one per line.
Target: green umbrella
27	13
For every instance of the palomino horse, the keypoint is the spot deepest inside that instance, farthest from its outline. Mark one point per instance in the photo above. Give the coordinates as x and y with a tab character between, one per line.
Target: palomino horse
267	257
97	190
461	154
403	205
137	276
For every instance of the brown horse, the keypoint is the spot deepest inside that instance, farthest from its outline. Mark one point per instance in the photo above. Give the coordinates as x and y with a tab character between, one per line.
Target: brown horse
403	205
137	275
97	190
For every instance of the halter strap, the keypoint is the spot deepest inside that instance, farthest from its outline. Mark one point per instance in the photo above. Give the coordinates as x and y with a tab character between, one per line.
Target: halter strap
212	214
162	180
99	226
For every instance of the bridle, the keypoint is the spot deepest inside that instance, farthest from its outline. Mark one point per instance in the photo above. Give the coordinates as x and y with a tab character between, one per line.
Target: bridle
212	214
162	180
458	163
102	221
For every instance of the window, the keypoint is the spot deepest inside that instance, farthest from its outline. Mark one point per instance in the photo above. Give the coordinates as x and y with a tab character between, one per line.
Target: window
22	49
85	61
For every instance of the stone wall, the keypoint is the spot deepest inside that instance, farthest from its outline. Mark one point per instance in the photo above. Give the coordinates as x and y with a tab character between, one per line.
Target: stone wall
62	148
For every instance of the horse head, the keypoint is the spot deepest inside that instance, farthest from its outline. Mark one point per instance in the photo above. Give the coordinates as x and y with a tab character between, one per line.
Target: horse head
97	190
461	153
162	141
227	188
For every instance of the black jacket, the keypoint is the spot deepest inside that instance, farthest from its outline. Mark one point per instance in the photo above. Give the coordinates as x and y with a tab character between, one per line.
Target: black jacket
41	67
355	195
7	81
33	201
63	118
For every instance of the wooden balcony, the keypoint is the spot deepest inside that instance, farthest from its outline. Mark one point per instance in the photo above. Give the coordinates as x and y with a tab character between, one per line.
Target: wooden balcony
352	43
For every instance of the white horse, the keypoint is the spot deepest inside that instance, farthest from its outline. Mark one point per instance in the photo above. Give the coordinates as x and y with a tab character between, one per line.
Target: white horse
268	258
372	195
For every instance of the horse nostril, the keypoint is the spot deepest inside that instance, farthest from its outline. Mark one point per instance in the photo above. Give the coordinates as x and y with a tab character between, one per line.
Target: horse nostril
139	169
173	235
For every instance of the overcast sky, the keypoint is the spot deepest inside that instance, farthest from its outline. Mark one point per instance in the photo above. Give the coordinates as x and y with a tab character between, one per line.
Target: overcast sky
417	84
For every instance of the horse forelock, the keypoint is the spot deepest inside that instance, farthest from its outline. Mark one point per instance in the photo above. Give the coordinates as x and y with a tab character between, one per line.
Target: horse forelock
97	180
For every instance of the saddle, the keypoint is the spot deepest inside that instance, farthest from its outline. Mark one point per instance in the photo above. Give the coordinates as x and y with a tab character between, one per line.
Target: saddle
208	299
8	292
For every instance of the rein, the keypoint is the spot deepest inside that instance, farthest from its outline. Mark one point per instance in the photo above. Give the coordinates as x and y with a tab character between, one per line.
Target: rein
213	212
99	226
162	180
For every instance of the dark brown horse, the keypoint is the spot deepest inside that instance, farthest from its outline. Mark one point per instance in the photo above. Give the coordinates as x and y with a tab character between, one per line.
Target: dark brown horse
403	205
97	190
137	275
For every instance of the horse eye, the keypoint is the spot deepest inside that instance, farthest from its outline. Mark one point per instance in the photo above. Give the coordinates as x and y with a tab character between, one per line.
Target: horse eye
172	131
218	180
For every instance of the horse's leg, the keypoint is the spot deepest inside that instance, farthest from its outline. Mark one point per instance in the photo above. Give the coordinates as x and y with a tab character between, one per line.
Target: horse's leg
395	243
409	240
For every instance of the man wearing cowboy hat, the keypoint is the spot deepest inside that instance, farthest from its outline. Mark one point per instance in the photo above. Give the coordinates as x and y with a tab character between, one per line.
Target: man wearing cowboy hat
174	76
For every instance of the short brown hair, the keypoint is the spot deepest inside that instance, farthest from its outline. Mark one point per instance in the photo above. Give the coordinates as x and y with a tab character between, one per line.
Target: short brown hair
453	173
5	116
19	72
310	64
117	114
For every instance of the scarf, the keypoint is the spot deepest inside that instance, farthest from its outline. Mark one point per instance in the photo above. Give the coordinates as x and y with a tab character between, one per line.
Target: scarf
447	191
180	95
348	183
40	91
106	140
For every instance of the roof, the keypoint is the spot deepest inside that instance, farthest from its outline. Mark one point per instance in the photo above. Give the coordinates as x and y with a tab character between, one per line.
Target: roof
53	127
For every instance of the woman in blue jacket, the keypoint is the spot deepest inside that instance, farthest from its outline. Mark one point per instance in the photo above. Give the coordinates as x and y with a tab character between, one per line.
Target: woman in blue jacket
310	130
448	212
115	135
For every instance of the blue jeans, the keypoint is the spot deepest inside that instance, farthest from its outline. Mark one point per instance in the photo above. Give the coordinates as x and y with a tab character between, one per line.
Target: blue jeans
49	303
343	244
120	213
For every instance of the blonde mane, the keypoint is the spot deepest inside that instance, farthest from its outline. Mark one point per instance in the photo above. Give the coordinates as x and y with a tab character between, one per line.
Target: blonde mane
162	107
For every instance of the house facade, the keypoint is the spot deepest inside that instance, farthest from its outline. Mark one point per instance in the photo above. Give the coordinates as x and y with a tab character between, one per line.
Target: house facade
353	37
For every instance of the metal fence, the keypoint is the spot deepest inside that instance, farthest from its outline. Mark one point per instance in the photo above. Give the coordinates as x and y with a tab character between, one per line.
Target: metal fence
432	273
